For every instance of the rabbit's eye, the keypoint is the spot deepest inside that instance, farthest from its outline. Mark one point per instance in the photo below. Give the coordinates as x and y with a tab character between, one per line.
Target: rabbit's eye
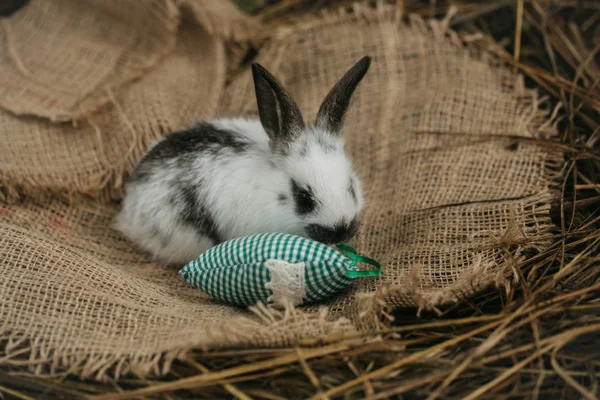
303	196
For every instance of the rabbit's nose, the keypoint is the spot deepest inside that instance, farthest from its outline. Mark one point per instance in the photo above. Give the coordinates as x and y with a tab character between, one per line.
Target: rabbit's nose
332	235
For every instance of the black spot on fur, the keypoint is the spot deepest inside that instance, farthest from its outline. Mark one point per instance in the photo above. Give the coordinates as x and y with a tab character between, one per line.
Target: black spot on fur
304	198
282	198
194	213
327	147
164	240
352	190
303	150
140	174
203	138
199	138
180	152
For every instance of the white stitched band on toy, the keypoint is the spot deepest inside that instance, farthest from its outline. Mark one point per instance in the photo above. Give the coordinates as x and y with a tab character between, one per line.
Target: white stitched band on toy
287	282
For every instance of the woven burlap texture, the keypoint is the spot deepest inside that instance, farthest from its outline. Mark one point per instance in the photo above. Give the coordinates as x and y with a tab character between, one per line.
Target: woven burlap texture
58	58
451	203
40	157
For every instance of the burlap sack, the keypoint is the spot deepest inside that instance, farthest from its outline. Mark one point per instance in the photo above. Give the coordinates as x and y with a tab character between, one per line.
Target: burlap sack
39	157
58	57
451	204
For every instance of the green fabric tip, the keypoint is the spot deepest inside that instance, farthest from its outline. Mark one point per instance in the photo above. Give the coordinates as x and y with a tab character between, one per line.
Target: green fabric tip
356	258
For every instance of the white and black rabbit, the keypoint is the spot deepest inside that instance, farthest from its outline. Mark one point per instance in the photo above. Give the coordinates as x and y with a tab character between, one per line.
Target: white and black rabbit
227	178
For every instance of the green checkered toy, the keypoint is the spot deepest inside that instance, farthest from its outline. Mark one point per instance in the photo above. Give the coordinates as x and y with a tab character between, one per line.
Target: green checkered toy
274	268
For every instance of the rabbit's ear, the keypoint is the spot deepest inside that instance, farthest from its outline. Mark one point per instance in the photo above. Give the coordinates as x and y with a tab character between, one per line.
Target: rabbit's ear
279	114
331	113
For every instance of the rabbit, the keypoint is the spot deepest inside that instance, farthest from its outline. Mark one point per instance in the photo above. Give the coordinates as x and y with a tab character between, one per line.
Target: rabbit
222	179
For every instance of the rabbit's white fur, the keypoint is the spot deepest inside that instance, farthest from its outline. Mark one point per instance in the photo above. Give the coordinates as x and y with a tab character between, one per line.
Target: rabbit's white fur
242	193
228	178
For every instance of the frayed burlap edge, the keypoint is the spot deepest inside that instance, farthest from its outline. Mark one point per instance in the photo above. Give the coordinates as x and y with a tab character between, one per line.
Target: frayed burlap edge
269	327
373	311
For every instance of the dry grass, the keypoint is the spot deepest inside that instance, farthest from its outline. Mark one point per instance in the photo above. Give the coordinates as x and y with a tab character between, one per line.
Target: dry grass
537	340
